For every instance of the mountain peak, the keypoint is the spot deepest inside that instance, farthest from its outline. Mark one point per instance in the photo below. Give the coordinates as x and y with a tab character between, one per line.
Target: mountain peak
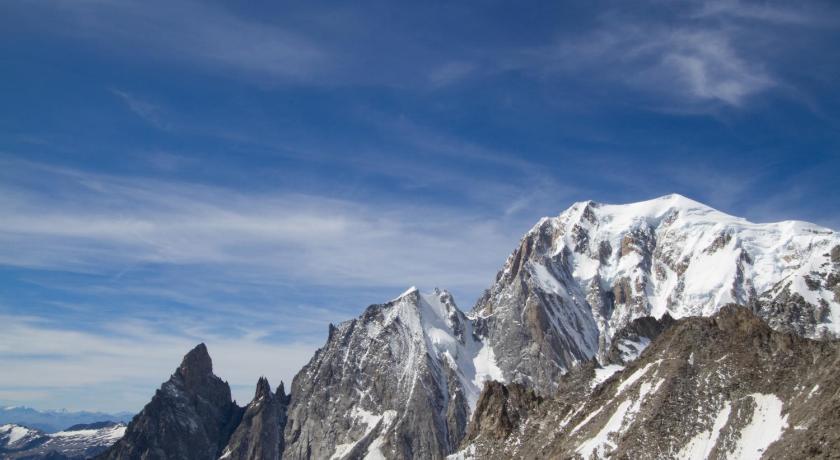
189	417
412	291
196	364
263	389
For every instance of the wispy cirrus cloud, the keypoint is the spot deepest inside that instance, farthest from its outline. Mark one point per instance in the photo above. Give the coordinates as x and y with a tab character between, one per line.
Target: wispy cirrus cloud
147	110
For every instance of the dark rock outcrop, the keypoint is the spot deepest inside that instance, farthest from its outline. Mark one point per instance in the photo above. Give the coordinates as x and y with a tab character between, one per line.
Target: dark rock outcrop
190	417
501	408
632	339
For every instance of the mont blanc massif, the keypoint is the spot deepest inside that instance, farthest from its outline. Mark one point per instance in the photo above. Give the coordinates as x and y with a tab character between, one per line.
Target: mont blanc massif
652	330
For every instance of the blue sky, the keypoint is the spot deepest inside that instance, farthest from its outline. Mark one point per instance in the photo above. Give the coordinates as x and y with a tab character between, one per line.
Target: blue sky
244	173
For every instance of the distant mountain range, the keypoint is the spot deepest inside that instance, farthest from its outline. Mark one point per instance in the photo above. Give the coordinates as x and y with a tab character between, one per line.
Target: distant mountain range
75	443
52	421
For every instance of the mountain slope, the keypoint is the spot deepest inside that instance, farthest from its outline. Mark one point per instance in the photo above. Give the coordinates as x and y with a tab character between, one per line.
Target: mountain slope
399	382
191	416
720	387
578	278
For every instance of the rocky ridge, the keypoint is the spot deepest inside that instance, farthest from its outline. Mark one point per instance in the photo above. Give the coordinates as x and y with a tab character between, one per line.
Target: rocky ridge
722	387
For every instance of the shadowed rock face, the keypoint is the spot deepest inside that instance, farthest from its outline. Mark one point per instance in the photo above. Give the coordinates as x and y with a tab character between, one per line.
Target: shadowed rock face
259	435
502	408
709	387
628	343
190	417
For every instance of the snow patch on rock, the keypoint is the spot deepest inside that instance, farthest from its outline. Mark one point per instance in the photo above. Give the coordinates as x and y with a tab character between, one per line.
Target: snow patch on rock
701	445
765	427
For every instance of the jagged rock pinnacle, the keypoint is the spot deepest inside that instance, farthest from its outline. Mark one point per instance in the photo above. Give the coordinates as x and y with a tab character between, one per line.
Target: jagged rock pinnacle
263	389
196	365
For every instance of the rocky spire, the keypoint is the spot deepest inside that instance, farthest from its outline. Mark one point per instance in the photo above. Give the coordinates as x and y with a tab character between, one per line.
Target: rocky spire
281	395
196	367
190	417
259	435
263	389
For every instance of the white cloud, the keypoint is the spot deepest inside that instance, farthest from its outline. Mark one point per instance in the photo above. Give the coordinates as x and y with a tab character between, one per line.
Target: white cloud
702	53
708	67
688	64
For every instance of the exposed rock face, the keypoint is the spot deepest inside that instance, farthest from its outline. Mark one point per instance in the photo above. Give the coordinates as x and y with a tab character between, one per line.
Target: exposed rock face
259	435
501	408
577	279
722	387
632	339
399	382
190	417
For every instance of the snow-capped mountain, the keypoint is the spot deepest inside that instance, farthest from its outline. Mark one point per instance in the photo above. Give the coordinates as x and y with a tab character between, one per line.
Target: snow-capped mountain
79	441
578	278
399	381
